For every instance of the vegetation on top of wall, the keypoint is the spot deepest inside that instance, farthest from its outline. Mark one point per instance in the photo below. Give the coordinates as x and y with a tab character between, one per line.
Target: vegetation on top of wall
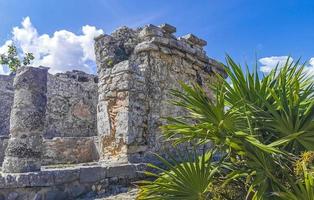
12	59
263	128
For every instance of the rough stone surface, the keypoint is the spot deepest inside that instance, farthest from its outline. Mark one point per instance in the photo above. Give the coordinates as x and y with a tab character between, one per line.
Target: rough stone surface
72	182
192	39
71	108
71	114
6	101
3	146
71	105
126	194
23	152
137	69
69	150
168	28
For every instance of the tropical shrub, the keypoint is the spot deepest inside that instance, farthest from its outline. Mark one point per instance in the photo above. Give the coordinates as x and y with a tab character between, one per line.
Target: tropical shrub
187	178
303	187
260	126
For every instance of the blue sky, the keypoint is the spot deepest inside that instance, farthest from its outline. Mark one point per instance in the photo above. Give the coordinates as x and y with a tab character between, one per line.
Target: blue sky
242	28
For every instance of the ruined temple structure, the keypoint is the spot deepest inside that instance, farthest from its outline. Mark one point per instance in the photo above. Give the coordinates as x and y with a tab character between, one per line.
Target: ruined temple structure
73	134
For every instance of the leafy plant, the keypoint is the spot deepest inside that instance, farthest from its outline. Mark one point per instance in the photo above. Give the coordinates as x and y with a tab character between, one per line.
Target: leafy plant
12	60
306	160
260	125
302	189
181	179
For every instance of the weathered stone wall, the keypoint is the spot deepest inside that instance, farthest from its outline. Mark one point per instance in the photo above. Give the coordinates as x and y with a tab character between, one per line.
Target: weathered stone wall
71	106
71	109
6	101
70	126
69	150
137	69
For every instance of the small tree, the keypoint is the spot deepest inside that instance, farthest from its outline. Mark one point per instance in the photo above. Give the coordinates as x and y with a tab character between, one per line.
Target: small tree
12	60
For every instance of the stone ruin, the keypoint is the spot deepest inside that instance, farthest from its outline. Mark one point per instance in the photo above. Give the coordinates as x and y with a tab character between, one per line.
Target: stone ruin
72	134
70	125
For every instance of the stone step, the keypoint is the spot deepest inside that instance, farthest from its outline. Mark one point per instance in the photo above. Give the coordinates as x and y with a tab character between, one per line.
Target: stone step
71	182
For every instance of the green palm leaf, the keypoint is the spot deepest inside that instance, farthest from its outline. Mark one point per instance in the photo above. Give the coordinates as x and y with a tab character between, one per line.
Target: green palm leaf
187	180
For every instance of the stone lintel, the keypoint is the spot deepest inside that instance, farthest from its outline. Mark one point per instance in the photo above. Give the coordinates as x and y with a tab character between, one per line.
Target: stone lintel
151	30
168	28
195	40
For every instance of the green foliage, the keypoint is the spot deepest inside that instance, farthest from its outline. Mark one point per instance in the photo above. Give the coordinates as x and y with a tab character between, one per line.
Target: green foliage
260	125
233	190
302	189
182	179
12	59
306	160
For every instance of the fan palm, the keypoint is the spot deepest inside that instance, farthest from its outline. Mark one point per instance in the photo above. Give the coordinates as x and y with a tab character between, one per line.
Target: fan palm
182	179
259	124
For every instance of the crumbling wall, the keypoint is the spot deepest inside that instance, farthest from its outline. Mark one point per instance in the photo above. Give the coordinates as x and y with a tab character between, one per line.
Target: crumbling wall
70	127
71	106
6	101
137	69
71	119
71	109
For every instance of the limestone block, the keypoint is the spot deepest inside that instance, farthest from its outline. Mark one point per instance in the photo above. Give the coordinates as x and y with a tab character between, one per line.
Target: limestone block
66	176
168	28
121	171
121	67
145	46
69	150
195	40
92	174
40	179
3	146
6	101
150	31
56	195
103	124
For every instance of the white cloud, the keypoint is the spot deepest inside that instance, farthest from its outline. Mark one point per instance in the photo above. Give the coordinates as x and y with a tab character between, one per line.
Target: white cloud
269	63
310	67
62	51
3	49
